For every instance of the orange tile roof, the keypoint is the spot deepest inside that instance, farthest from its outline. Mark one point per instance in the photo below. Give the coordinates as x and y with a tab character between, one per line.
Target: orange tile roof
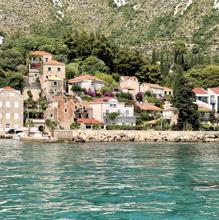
84	77
147	107
91	121
125	78
166	89
8	88
215	90
200	91
153	85
53	62
40	53
101	100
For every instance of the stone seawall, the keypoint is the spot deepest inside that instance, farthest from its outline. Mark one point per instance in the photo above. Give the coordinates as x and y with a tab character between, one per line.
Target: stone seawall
135	136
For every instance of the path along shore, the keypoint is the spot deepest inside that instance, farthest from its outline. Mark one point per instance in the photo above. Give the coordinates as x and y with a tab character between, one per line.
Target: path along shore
135	136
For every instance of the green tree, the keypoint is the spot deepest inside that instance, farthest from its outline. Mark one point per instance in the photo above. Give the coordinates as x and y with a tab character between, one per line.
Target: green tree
204	76
179	50
52	125
183	99
154	57
92	65
128	61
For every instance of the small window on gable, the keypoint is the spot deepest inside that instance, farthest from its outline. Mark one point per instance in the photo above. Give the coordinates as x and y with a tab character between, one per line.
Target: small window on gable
59	69
66	110
46	59
55	83
49	68
65	100
47	77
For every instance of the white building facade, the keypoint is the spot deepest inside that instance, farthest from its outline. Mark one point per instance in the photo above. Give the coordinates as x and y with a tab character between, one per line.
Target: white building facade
104	106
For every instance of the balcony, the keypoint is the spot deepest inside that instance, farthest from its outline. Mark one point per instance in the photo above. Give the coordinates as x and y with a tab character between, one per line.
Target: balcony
35	66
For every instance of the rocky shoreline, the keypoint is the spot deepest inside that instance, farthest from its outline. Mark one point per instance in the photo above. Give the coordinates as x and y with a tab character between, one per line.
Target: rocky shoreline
75	136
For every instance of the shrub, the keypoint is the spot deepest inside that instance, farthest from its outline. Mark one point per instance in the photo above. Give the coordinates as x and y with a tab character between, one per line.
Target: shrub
124	96
75	125
76	88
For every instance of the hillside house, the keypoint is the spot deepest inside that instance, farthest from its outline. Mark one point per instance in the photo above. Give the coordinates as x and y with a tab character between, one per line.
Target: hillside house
87	82
154	89
11	109
102	107
41	68
129	84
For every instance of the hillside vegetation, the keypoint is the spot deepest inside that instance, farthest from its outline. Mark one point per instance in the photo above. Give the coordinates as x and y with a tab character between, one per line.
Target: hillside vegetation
147	23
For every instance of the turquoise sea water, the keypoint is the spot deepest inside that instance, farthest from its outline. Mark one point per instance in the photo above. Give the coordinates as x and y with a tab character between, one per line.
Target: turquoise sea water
108	181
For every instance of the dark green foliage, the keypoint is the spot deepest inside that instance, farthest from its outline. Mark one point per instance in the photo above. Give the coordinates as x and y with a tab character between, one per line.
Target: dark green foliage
183	99
92	65
128	61
123	97
204	76
76	88
113	115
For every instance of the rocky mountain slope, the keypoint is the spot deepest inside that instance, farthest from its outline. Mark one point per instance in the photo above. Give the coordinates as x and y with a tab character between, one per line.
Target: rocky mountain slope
136	22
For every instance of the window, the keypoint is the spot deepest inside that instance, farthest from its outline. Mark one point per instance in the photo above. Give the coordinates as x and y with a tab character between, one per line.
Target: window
59	69
46	59
16	104
7	115
113	105
8	104
66	110
65	100
49	68
47	77
16	115
7	125
55	83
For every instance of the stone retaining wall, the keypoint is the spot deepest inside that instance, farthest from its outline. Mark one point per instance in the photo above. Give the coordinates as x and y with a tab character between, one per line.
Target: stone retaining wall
135	136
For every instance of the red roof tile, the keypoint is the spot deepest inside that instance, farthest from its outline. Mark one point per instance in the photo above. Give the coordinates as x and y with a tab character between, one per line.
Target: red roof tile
84	77
200	91
91	121
215	90
147	107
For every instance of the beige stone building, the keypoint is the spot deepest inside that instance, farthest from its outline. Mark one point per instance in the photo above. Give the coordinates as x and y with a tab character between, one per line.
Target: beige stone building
65	110
129	84
11	109
42	68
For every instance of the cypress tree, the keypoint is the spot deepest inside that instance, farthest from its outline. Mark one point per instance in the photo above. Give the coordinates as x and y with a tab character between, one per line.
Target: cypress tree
183	100
154	57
